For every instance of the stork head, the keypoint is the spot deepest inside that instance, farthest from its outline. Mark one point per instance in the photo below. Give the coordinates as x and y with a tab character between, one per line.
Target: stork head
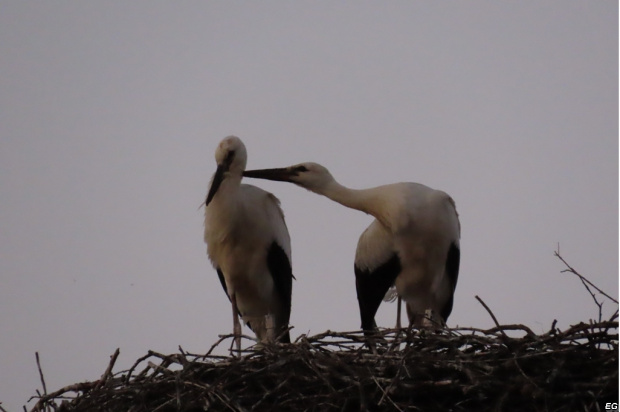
311	176
231	158
231	155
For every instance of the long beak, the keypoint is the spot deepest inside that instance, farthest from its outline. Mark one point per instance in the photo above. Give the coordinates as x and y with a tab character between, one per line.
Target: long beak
282	174
215	184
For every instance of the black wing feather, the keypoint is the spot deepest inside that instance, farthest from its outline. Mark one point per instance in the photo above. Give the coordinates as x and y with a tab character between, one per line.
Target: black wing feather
220	275
452	270
372	286
280	269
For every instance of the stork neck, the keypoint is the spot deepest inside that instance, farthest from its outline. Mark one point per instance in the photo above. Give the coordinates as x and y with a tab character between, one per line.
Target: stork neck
359	199
228	192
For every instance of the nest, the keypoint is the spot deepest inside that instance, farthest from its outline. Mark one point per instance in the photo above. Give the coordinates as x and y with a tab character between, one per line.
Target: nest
505	368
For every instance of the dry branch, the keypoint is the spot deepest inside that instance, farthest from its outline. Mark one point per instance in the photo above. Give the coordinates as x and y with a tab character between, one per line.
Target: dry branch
588	285
504	368
454	369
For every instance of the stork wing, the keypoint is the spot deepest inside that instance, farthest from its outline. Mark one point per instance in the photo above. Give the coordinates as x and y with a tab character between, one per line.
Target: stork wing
452	270
279	260
376	267
220	275
371	288
282	274
280	269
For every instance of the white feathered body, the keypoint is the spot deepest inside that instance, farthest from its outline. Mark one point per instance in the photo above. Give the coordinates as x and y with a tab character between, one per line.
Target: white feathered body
418	224
241	223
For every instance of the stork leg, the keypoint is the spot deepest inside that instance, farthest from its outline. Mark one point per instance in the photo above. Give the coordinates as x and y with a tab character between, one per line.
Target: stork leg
415	319
433	320
236	323
398	310
270	325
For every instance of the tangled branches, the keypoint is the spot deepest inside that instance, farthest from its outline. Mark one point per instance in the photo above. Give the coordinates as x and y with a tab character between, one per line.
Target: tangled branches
455	369
505	368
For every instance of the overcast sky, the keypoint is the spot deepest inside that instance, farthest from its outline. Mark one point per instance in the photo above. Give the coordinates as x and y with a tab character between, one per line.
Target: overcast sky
110	113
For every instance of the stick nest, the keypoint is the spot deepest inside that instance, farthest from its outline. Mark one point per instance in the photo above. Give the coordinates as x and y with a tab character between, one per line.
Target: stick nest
506	368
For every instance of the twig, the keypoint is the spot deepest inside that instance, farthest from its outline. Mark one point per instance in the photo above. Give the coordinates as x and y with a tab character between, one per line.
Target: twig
385	395
177	382
217	343
583	279
136	363
76	387
586	283
330	370
492	315
108	370
41	374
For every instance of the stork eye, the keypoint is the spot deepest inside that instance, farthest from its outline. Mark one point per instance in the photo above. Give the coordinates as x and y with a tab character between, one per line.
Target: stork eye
301	169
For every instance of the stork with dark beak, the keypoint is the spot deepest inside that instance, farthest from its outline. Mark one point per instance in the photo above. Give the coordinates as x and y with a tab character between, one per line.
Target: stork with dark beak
249	246
412	245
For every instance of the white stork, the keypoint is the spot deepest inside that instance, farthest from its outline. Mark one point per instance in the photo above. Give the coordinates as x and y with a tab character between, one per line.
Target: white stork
413	243
249	246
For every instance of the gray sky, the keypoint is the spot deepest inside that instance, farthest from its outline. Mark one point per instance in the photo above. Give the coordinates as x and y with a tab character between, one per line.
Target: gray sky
110	114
